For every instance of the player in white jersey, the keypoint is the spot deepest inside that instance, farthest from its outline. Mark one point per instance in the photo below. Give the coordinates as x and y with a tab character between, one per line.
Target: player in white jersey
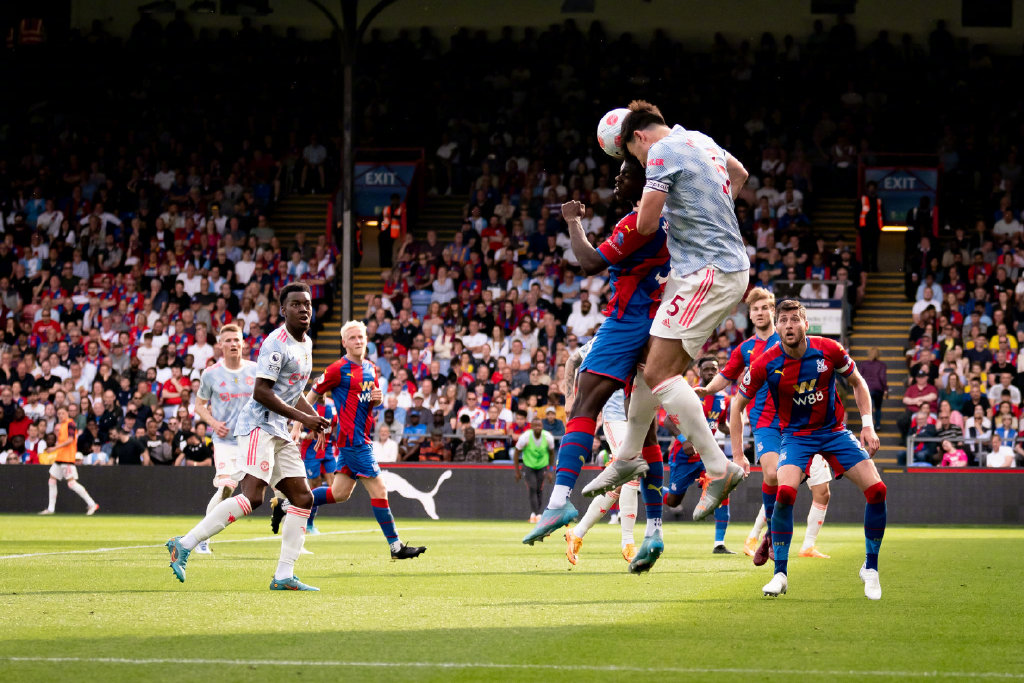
627	495
694	182
224	388
271	457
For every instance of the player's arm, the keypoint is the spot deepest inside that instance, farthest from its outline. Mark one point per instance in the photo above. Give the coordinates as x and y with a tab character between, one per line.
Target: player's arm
590	260
572	367
725	419
204	413
376	395
651	204
737	176
719	383
520	445
868	437
146	460
263	393
738	403
688	448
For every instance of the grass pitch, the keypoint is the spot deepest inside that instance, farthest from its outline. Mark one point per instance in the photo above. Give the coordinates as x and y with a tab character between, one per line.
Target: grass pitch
91	599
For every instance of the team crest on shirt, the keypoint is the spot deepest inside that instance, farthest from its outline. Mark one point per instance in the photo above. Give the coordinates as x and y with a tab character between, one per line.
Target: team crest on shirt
822	367
619	239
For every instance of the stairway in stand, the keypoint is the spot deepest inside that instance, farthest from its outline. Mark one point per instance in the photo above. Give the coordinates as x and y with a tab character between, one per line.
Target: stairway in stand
308	214
833	216
883	321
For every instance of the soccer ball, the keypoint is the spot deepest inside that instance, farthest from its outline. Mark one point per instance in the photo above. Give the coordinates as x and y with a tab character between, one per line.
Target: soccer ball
609	132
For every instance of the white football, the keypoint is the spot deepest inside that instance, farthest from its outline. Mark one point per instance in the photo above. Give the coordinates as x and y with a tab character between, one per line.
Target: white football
609	132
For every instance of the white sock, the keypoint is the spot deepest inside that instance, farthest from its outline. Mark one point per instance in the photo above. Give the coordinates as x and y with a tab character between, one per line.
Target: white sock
224	513
53	496
559	496
220	494
815	518
82	493
293	533
628	503
759	524
684	408
652	526
643	407
599	507
395	546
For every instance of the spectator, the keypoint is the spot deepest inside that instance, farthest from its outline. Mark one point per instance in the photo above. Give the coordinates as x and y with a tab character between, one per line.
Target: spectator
1000	454
920	393
952	456
874	372
468	449
552	424
126	449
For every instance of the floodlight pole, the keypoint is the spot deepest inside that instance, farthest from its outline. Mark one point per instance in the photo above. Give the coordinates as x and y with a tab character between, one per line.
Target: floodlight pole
349	34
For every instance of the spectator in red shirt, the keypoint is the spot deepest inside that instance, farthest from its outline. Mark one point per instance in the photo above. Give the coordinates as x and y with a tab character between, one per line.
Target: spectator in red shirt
919	393
45	323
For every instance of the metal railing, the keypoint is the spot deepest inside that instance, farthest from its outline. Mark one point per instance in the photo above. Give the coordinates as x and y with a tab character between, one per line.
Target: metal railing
977	448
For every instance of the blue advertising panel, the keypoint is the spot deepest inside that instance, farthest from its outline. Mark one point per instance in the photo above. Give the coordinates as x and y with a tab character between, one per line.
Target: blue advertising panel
901	189
376	182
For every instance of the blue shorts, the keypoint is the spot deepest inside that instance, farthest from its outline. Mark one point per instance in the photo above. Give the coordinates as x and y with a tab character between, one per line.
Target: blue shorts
318	467
358	461
766	440
682	474
841	450
617	347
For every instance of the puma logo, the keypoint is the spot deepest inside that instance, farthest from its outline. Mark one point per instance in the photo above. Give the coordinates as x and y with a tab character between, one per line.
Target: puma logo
401	486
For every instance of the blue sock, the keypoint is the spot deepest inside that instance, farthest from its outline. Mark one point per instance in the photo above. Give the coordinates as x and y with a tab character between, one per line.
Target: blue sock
576	447
651	487
382	512
322	495
312	516
768	494
721	521
874	524
782	527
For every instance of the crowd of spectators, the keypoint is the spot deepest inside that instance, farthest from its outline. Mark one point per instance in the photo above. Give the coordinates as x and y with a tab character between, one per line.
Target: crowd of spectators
126	246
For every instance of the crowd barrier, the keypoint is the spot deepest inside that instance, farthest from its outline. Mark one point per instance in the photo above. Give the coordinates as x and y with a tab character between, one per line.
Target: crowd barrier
457	491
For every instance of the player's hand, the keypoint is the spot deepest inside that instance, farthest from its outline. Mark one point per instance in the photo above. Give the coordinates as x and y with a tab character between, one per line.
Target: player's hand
320	439
296	431
869	440
742	461
549	475
572	211
519	475
315	423
376	395
220	429
701	392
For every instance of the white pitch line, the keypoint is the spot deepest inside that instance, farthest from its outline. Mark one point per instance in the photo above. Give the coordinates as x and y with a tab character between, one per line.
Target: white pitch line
610	668
219	542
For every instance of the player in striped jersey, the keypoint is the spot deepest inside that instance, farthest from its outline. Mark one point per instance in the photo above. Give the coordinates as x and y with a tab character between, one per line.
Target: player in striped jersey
614	414
801	376
224	388
272	458
686	467
692	184
764	427
352	382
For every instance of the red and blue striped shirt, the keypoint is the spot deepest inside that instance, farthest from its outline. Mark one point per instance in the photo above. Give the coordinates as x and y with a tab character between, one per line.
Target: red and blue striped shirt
804	389
637	267
761	410
350	385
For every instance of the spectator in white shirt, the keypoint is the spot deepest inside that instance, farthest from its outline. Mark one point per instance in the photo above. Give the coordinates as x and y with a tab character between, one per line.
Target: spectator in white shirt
191	279
814	290
475	412
147	353
164	178
201	351
385	449
1001	454
1007	226
475	340
314	154
584	323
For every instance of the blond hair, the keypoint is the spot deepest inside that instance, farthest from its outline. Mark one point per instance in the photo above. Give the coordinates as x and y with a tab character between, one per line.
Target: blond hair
353	324
230	327
760	294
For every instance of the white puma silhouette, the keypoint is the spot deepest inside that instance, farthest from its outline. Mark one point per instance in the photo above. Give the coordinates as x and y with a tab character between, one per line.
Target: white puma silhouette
398	484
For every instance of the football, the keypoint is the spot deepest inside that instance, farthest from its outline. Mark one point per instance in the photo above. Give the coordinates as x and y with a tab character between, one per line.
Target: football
609	132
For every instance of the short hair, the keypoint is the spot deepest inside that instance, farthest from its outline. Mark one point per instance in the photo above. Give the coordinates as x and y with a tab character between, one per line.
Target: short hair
790	305
282	296
760	294
642	114
230	327
706	359
353	324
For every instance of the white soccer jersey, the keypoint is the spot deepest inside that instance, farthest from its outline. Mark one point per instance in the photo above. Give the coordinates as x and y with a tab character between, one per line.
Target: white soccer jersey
702	228
287	362
227	391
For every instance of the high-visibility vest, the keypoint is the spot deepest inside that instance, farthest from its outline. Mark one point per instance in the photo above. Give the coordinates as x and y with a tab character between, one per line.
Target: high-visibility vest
393	221
865	209
30	32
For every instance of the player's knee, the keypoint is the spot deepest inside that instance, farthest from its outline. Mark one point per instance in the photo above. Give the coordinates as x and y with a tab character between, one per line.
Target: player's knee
822	496
875	493
254	501
672	499
52	481
786	495
303	500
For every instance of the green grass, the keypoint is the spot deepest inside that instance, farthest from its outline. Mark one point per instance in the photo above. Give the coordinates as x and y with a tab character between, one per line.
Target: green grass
479	599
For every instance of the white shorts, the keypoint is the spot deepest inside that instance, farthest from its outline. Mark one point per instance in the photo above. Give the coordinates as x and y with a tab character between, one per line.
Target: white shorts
819	472
614	433
270	457
63	470
226	461
693	306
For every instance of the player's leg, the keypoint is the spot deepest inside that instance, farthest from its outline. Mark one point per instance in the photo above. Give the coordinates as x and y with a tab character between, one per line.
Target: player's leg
818	481
629	497
651	486
292	483
382	513
865	476
316	476
56	474
767	444
72	478
789	476
721	524
347	469
578	443
750	545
